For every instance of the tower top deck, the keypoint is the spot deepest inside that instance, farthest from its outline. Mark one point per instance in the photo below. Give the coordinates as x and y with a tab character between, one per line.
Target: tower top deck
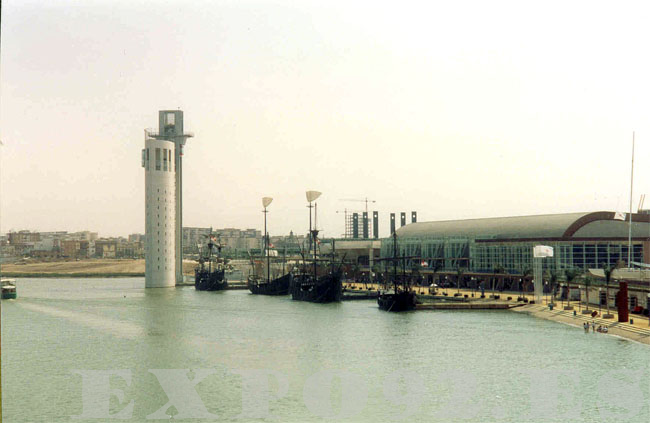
170	127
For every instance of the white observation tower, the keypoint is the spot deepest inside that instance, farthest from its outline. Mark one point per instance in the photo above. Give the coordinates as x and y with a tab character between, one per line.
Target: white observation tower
164	212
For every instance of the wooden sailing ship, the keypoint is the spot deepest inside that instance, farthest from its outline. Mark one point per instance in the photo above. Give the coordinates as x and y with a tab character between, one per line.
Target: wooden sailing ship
260	282
402	298
316	282
210	274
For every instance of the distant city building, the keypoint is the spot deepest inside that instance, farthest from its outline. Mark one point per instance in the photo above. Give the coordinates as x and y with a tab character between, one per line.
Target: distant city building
136	238
64	245
128	249
23	242
106	248
83	236
74	248
192	237
236	241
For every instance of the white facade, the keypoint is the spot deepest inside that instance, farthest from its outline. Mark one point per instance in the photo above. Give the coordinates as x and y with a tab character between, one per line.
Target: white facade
160	213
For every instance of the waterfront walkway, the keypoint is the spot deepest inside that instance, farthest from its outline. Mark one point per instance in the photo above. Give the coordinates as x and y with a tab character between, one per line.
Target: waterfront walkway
638	331
637	328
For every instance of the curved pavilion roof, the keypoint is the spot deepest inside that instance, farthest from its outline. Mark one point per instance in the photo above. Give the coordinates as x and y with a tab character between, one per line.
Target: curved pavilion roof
567	225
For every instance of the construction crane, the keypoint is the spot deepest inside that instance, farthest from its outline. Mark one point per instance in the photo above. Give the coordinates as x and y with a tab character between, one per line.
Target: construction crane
365	200
347	215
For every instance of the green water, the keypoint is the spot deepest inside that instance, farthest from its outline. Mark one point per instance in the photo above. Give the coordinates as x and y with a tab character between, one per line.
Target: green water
459	366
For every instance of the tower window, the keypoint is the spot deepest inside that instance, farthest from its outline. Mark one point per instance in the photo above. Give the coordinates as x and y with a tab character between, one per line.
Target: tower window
164	159
158	159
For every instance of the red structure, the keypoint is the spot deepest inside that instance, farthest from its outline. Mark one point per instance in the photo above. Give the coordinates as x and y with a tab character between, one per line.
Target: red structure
622	302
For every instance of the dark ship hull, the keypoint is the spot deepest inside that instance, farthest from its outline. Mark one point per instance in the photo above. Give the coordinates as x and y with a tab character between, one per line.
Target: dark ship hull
205	280
279	286
402	301
325	289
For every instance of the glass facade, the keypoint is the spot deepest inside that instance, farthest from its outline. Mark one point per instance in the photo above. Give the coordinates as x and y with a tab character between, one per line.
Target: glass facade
483	256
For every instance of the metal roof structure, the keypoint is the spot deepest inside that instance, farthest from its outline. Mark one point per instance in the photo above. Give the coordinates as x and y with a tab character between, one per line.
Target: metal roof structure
601	224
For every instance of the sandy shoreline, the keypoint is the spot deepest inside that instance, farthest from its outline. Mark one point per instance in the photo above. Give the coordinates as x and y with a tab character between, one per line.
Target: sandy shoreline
98	268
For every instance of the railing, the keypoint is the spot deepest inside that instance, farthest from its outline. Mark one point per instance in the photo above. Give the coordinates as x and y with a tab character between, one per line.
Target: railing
155	133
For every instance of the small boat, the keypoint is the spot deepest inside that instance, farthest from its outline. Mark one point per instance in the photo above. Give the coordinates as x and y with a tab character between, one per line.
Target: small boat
210	277
402	298
263	285
9	289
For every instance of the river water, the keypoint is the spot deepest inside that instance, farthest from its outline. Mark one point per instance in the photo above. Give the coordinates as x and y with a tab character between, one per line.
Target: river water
238	357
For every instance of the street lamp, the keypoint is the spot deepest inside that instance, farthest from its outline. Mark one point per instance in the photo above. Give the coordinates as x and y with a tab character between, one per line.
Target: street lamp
647	306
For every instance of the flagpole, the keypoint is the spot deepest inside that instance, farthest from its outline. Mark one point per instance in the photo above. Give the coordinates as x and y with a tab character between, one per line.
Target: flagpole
629	239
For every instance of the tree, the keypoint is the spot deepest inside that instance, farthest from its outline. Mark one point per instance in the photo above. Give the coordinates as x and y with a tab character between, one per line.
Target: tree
356	270
552	280
498	270
415	271
376	270
588	281
524	274
607	270
459	276
570	274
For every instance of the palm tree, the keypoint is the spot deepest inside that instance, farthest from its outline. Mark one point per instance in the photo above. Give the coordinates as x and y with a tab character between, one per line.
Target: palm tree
376	270
459	276
524	274
570	274
356	269
552	279
437	266
415	272
607	270
498	270
588	281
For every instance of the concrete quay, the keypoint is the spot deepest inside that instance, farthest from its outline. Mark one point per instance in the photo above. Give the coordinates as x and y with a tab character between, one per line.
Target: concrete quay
470	305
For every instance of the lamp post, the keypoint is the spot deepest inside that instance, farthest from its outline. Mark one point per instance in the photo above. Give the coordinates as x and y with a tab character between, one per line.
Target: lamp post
647	306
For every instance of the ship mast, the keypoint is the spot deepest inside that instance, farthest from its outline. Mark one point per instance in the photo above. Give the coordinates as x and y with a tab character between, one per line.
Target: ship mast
311	197
265	203
395	259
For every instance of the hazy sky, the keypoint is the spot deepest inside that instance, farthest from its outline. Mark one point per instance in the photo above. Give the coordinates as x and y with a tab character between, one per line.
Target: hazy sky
455	109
